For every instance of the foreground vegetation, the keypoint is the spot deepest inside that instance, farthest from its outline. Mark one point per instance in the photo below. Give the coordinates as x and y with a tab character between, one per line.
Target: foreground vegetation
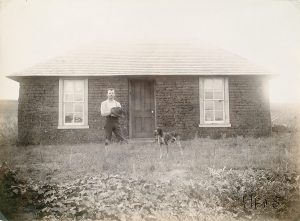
230	178
224	195
238	178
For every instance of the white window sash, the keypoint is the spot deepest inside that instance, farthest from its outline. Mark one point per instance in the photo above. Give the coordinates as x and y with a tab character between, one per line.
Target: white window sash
61	120
225	121
73	106
214	109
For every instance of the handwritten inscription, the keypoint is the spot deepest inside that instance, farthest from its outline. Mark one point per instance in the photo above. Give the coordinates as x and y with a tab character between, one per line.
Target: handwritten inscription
252	201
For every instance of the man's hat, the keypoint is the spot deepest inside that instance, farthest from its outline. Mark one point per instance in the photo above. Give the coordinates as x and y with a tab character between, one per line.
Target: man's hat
117	111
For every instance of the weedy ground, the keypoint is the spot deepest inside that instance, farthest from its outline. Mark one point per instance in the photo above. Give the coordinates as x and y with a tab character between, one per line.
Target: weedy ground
60	163
207	182
212	175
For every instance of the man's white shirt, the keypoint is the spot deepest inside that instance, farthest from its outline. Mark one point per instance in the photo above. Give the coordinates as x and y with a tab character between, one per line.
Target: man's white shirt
107	105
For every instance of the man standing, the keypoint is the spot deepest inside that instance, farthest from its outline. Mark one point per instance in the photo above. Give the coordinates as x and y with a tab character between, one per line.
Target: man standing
112	120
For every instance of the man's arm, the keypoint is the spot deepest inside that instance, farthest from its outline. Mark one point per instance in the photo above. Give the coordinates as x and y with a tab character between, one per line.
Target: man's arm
105	111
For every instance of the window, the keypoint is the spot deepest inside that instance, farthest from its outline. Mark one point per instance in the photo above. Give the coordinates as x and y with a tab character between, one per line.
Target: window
214	103
73	103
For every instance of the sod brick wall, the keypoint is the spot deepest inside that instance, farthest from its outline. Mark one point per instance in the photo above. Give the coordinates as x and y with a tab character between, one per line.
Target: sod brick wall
177	108
38	111
249	109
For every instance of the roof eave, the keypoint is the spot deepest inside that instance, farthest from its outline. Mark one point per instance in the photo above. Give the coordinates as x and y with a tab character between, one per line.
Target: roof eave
16	77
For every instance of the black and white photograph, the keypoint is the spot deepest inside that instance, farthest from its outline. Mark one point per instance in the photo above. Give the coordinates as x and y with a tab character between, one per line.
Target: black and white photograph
149	110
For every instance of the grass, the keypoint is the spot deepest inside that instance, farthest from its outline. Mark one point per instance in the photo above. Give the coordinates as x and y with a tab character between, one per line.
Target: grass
64	163
8	130
8	122
61	163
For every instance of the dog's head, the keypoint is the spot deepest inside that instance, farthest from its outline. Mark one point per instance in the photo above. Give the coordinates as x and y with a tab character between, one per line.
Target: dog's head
167	136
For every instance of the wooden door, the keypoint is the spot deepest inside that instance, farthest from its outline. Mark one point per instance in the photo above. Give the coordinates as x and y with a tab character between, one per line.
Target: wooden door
142	108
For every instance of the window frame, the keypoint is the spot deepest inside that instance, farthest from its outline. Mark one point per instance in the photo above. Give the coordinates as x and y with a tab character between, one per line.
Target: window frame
226	120
61	118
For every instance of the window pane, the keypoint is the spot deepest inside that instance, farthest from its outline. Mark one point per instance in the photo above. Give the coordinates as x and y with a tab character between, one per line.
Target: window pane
208	94
208	84
218	95
219	105
68	107
218	84
219	115
68	117
78	86
68	86
78	97
69	97
209	116
73	101
209	105
78	118
78	107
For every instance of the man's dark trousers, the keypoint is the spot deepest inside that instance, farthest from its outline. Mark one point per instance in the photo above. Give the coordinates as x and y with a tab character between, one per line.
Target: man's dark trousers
112	125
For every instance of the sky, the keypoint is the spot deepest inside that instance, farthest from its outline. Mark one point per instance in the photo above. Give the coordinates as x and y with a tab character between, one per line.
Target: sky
266	32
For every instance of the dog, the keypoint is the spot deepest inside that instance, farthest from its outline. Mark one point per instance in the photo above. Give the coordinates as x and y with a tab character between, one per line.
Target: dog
166	138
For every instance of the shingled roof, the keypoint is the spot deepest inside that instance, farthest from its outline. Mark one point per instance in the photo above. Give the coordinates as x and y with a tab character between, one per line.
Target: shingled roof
144	59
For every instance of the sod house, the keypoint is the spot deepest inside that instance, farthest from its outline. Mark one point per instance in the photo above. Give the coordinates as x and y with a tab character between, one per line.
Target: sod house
196	90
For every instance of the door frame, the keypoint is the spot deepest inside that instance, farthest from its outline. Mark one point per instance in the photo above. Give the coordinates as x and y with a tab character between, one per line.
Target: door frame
130	102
